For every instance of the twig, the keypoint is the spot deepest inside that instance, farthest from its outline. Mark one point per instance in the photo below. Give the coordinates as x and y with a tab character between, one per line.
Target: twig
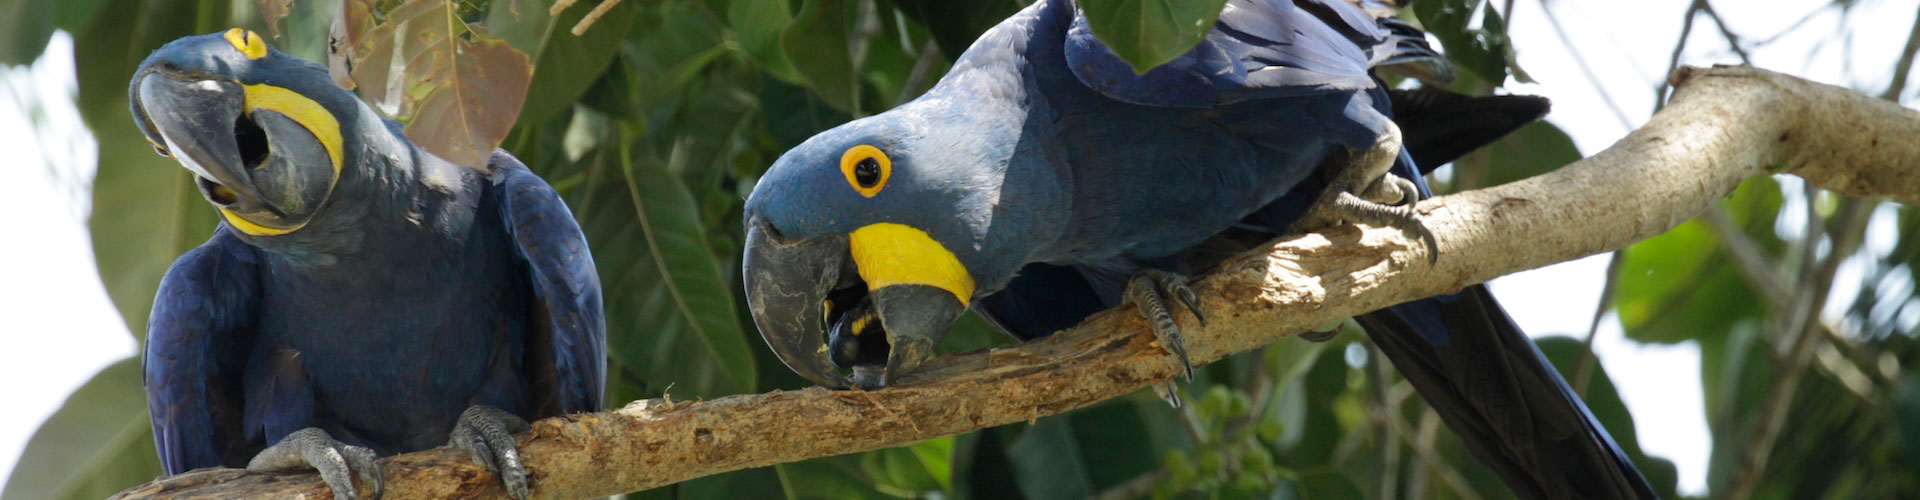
1385	411
593	16
1722	127
1423	448
1904	65
1686	30
1583	369
1587	71
1733	41
1803	321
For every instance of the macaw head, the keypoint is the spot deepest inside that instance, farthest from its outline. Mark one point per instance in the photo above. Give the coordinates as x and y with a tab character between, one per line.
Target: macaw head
885	229
260	130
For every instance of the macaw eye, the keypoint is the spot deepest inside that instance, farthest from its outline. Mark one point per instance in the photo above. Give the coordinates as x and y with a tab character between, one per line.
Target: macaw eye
247	42
866	169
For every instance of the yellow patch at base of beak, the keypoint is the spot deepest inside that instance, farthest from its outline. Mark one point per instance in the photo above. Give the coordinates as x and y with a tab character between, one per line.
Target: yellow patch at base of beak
248	227
890	254
309	114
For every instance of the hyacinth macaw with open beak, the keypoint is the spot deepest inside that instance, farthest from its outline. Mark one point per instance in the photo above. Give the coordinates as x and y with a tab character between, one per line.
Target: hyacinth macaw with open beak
1042	180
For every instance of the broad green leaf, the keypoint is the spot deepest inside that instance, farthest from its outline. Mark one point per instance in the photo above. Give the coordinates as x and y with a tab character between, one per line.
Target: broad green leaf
457	89
1091	449
759	482
757	25
1485	51
1148	33
1535	149
955	25
566	64
898	471
1048	462
827	478
936	457
981	467
98	443
1681	285
671	315
817	45
26	25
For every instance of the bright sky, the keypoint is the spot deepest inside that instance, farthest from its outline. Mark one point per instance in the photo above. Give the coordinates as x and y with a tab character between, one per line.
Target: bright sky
60	327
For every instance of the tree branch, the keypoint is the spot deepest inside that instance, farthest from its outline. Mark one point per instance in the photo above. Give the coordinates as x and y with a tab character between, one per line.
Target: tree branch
1722	126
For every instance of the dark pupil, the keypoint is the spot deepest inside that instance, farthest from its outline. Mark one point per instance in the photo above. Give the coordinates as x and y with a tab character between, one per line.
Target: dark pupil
867	172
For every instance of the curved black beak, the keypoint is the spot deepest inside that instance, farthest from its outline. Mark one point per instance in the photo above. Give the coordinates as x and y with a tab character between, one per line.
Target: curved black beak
787	284
197	119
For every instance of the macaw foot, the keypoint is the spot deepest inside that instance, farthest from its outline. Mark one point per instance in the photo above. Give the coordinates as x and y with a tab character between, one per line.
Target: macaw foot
313	448
487	433
1366	192
1151	290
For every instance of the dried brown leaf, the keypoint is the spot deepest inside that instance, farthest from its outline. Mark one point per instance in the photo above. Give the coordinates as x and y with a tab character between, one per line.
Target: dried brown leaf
457	89
272	11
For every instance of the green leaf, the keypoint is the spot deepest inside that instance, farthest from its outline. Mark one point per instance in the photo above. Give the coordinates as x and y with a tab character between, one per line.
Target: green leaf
1535	149
955	25
758	24
26	25
817	44
1089	450
1048	463
671	316
1486	51
827	478
566	65
1681	285
98	443
1148	33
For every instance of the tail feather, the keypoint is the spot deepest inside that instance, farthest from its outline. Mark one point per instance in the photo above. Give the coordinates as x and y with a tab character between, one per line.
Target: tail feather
1498	393
1442	126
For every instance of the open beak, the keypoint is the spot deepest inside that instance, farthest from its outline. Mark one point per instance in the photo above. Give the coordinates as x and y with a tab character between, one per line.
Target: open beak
200	121
799	289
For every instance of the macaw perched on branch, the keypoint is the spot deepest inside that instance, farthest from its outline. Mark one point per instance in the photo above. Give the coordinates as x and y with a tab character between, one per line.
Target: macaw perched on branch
362	297
1042	180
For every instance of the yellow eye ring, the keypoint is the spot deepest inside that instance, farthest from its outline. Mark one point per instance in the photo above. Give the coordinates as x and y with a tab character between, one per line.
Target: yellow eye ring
247	42
866	169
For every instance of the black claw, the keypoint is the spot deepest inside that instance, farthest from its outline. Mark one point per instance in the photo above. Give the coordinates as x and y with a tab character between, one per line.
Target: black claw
487	433
337	463
1319	336
1168	392
1148	290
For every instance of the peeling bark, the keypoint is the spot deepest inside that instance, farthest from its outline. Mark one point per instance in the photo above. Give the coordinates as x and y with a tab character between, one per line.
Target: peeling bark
1724	125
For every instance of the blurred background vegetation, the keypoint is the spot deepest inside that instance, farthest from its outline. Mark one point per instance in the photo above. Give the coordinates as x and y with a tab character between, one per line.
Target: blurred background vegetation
656	120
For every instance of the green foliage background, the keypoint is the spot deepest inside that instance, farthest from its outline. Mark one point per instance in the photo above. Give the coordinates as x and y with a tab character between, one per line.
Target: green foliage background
658	120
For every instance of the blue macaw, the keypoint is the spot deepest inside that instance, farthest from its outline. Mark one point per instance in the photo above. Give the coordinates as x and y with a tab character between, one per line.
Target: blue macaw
361	297
1042	180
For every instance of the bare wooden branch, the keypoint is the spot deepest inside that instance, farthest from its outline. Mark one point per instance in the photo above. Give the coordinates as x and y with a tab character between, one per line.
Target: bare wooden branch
1723	125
